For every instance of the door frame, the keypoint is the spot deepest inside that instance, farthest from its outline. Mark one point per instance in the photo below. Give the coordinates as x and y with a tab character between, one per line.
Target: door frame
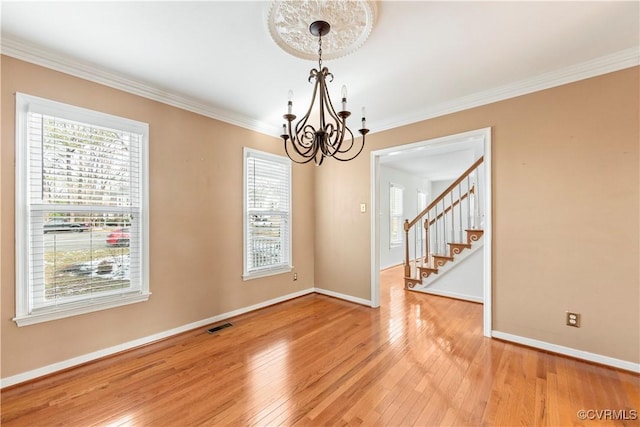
485	134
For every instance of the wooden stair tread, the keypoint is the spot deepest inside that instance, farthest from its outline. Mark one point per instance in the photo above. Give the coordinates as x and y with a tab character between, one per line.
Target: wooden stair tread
426	272
474	235
410	282
447	257
457	248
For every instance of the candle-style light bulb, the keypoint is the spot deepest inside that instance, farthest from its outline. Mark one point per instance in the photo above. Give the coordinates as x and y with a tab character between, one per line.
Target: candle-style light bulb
290	103
284	129
344	98
364	114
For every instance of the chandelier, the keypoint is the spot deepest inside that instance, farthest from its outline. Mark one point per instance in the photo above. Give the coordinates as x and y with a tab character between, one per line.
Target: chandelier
329	136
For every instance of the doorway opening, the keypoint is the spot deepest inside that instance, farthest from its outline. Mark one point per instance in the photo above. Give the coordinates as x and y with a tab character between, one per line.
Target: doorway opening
429	161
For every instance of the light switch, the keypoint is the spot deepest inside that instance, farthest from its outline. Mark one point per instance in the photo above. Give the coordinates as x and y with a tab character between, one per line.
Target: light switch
363	207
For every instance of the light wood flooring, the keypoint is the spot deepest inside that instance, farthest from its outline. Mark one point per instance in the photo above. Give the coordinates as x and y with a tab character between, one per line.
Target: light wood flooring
316	360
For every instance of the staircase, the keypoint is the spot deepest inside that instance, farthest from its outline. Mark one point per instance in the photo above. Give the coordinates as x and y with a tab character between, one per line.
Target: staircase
448	226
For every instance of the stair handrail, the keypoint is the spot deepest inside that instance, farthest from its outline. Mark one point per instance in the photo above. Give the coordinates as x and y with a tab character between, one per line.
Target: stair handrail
443	194
408	224
456	203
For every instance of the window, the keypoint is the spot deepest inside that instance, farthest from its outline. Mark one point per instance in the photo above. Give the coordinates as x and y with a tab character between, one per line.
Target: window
81	211
396	209
422	201
267	214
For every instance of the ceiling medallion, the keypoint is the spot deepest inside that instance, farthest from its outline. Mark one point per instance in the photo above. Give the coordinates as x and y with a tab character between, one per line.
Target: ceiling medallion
351	22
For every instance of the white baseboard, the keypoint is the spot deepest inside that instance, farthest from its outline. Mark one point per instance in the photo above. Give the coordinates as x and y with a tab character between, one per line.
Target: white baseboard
343	297
49	369
443	293
567	351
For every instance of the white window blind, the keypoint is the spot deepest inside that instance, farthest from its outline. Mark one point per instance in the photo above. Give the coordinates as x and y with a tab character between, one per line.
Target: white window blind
396	211
422	201
267	231
81	205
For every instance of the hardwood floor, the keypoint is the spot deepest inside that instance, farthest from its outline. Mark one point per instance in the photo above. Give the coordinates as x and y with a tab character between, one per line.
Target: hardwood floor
316	360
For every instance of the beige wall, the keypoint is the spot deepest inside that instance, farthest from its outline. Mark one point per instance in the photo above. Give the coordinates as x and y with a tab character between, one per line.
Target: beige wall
195	224
566	232
565	212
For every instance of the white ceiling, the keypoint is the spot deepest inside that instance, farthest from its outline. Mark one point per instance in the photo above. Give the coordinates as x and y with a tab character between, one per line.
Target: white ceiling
436	161
422	59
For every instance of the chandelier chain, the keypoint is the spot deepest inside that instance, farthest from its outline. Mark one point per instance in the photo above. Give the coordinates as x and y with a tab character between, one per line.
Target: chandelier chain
320	53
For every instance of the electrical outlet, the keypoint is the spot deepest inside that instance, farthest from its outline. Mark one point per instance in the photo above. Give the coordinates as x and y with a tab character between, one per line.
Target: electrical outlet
295	276
573	319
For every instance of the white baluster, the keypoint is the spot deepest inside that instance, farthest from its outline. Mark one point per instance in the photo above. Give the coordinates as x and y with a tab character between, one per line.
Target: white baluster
460	212
427	237
468	203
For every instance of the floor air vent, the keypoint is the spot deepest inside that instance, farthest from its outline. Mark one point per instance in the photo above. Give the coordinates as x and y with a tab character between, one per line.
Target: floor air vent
219	328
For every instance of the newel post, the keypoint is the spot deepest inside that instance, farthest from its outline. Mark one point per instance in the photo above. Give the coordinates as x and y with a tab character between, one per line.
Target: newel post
407	266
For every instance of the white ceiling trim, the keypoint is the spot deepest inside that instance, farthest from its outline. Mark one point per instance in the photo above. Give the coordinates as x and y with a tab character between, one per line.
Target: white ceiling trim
30	53
24	51
606	64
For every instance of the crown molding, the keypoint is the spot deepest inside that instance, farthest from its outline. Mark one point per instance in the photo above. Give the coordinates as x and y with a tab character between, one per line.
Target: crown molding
28	52
605	64
24	51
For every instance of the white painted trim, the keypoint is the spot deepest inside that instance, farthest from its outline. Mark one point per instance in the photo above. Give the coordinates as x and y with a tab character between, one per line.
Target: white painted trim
374	210
487	236
396	243
28	52
265	273
344	297
485	133
49	369
568	351
82	307
248	153
443	293
606	64
26	314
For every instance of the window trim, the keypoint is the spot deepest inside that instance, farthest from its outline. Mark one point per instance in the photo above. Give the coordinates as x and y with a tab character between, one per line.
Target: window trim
249	275
395	243
24	314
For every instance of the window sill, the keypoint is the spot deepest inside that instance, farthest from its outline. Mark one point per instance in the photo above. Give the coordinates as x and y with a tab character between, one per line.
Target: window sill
266	273
77	309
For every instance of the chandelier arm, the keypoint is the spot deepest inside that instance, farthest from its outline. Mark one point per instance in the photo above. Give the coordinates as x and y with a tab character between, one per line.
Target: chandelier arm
307	152
303	121
300	149
293	159
352	157
294	140
346	159
323	90
346	147
302	140
339	122
327	146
